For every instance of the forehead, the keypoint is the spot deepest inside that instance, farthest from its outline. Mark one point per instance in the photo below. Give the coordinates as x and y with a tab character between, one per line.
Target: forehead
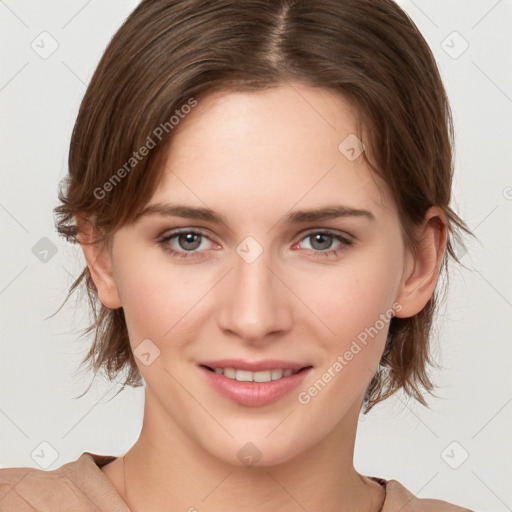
285	113
270	149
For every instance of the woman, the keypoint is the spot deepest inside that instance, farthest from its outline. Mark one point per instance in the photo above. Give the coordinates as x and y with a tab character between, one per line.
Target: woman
261	191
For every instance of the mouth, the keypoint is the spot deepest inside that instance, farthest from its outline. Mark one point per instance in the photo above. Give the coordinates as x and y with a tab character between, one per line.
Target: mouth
254	384
259	376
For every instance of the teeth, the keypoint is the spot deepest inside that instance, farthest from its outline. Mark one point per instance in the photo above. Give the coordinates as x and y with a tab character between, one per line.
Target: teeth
261	376
230	373
276	374
243	376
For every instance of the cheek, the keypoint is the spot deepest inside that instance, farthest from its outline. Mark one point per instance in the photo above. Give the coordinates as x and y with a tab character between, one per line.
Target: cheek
357	308
353	298
164	301
158	298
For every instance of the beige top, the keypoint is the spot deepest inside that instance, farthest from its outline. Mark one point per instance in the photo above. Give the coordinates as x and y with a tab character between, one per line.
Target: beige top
80	486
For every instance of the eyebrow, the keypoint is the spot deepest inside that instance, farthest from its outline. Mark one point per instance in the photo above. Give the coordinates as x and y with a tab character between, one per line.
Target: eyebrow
294	217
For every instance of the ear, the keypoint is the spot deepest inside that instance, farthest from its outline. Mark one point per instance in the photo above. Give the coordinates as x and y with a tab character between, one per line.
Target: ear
99	261
421	270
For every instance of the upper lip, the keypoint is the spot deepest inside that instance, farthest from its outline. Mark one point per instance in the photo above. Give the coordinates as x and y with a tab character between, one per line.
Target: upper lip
254	366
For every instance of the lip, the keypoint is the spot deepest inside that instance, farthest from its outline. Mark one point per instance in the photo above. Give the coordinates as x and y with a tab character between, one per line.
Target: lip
254	366
254	394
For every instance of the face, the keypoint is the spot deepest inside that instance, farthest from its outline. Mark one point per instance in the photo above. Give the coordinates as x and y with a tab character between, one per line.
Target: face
267	288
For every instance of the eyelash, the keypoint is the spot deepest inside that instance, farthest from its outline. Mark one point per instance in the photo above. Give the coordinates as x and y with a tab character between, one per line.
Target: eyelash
163	242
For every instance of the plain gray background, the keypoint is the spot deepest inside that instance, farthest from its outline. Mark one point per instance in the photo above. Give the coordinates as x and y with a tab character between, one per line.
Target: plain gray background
459	450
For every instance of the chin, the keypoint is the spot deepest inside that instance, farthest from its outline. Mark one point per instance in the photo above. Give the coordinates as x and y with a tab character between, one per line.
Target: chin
252	450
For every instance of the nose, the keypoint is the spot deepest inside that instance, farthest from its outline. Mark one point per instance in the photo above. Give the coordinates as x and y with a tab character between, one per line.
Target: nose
253	301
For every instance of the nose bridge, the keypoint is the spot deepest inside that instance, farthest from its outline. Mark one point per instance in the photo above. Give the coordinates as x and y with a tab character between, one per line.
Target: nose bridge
254	304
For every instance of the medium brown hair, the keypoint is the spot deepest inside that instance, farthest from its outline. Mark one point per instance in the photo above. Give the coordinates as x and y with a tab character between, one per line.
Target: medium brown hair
169	53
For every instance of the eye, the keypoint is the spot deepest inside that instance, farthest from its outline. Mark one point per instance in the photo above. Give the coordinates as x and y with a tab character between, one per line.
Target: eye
186	244
321	243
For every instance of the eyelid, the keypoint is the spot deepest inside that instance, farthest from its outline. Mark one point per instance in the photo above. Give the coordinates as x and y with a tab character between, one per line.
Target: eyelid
171	233
344	239
175	231
327	230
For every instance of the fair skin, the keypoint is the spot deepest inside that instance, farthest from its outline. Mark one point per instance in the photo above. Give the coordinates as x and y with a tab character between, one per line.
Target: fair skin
254	158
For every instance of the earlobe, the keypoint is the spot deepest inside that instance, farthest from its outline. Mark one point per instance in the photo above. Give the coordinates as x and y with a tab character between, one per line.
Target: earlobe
422	268
99	261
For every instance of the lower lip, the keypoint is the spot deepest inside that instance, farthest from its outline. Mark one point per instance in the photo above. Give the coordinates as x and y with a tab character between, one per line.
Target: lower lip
254	394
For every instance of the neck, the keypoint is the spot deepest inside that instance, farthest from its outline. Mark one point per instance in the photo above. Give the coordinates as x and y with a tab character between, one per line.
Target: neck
164	468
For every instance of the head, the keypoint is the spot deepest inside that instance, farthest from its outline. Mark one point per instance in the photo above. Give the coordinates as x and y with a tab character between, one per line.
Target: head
255	110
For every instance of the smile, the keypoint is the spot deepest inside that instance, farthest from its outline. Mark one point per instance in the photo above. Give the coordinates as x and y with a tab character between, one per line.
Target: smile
254	384
248	376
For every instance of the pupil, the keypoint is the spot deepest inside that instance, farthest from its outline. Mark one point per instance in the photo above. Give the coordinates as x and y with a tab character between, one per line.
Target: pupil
189	239
325	237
